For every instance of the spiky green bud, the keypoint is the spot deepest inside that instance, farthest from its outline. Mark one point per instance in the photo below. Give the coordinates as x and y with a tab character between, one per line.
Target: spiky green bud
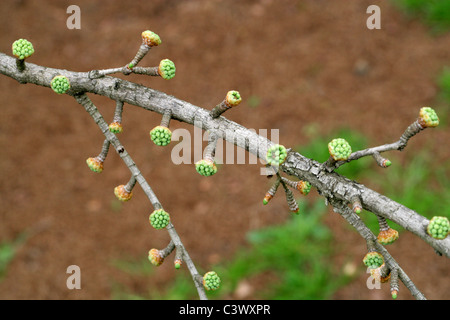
115	127
211	281
206	167
428	117
122	193
159	219
22	49
60	84
166	69
161	136
276	155
233	98
388	236
373	260
155	257
150	38
177	263
304	187
267	198
438	227
95	164
339	149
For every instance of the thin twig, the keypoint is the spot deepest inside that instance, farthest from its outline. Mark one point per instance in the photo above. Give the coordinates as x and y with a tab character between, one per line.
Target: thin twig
411	131
354	220
84	100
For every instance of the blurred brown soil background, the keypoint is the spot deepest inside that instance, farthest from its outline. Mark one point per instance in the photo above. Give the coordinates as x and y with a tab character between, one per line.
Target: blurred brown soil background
308	62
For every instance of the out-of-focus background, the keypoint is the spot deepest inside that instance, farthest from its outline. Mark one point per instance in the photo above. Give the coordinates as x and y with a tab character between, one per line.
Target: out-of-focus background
311	69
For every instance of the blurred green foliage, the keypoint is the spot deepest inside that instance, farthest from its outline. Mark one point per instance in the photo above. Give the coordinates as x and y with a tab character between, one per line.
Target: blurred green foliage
294	257
443	82
435	13
8	251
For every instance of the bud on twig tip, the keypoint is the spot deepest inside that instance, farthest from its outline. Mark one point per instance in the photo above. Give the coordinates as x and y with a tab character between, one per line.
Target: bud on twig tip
211	281
373	260
155	257
95	164
232	99
150	38
269	194
116	127
206	167
394	283
161	136
167	69
122	193
159	219
177	263
438	227
428	118
339	149
388	236
60	84
276	155
304	187
356	205
22	49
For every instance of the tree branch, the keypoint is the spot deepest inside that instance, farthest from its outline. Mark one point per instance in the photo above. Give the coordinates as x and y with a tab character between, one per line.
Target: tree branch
331	185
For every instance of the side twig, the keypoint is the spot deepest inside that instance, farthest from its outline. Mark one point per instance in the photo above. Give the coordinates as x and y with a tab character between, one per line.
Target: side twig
84	100
354	220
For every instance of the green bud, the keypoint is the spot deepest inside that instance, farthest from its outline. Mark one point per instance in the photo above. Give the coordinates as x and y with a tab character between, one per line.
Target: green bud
233	98
211	281
276	155
438	227
159	219
161	136
60	84
166	69
150	38
206	167
22	49
95	165
339	149
373	260
428	117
